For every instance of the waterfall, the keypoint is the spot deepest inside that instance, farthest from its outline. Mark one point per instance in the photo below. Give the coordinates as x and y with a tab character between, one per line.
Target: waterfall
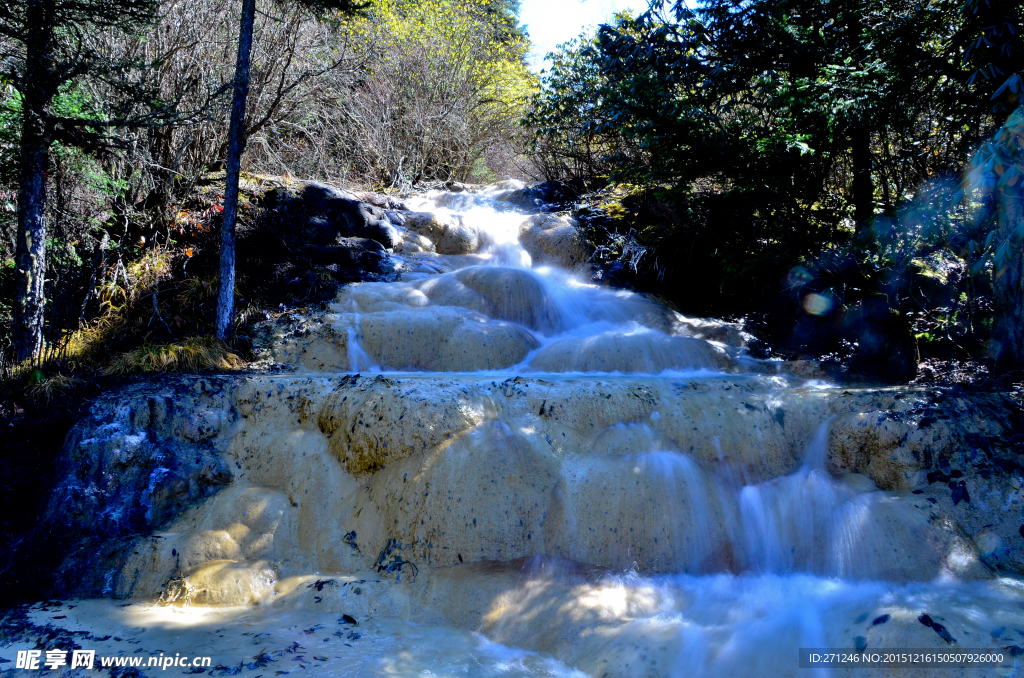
498	466
573	325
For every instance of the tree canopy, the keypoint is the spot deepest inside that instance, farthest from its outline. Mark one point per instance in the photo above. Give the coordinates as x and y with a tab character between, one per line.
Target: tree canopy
768	134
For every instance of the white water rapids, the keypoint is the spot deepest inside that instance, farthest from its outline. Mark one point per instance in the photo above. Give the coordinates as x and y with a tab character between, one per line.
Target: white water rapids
646	501
563	324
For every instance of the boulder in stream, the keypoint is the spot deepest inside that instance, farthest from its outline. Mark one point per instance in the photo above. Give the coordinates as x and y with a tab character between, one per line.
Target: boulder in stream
551	239
448	233
325	213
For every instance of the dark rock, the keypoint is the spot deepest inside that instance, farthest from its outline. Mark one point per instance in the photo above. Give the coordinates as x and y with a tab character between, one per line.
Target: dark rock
613	273
122	475
351	255
544	195
880	620
861	643
943	633
937	477
141	457
937	627
385	202
323	214
311	237
320	231
383	232
350	217
1006	465
886	348
363	245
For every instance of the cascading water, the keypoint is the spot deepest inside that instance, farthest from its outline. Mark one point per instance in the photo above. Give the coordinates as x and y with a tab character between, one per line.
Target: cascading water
540	462
535	319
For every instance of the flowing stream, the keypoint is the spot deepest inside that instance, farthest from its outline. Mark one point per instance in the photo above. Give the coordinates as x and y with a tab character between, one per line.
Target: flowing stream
584	481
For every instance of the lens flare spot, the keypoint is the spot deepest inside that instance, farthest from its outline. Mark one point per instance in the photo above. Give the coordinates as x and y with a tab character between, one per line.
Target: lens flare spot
817	304
798	276
988	543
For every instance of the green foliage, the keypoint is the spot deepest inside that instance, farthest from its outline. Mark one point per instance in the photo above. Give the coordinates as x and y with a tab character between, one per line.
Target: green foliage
82	190
990	40
759	132
448	89
10	127
565	144
503	15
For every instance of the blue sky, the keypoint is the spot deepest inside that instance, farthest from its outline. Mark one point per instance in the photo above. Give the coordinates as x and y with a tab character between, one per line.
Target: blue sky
552	22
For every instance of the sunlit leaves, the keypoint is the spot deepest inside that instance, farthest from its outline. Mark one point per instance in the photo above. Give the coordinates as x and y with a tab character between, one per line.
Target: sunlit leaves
448	81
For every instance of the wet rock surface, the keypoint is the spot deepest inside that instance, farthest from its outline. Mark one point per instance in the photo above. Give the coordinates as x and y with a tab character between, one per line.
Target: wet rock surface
495	317
579	618
552	239
445	234
923	429
237	477
508	506
138	460
957	451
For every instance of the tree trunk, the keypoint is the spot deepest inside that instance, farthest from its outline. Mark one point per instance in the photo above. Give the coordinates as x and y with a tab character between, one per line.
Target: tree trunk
236	143
30	254
863	190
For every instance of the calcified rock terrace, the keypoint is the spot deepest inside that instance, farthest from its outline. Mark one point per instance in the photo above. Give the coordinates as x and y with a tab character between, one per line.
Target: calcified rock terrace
498	468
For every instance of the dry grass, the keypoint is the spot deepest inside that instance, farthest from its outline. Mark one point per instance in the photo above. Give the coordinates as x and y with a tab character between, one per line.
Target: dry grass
147	272
190	355
85	347
57	386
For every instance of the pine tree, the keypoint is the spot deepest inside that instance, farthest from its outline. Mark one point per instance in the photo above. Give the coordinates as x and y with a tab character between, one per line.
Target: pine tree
53	47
